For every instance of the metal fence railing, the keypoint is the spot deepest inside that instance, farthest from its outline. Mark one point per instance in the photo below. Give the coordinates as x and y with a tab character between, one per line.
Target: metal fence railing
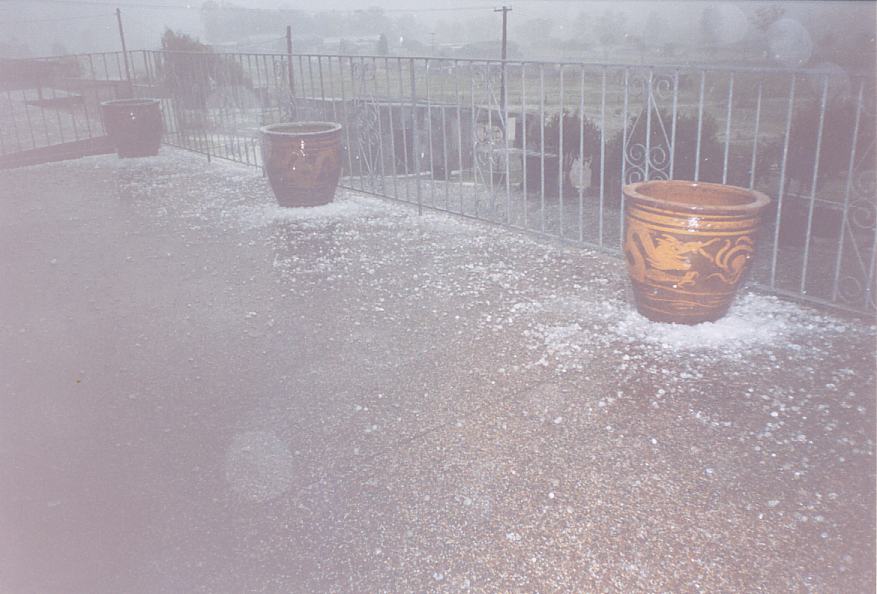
546	147
47	102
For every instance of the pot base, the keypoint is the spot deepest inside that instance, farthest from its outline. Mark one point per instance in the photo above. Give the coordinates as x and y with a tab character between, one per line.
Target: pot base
676	307
292	199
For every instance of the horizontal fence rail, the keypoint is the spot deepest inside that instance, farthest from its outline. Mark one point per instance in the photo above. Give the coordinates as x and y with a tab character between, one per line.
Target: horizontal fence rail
542	147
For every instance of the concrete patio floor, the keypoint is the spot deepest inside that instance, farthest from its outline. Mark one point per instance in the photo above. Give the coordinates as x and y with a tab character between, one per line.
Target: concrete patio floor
202	392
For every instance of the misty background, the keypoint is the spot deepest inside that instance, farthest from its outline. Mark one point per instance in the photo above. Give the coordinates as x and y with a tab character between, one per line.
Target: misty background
791	34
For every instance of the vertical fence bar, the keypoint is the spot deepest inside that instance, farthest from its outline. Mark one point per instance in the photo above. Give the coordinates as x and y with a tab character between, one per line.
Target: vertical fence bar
474	136
728	128
330	78
624	153
560	180
220	134
542	147
673	123
346	121
73	106
869	284
490	147
459	129
377	106
322	86
808	240
390	110
57	113
415	147
303	87
85	98
581	153
106	68
30	126
404	132
602	157
205	130
43	117
12	110
429	135
779	218
354	98
524	149
505	139
699	126
289	74
754	164
311	78
648	153
445	168
365	148
847	191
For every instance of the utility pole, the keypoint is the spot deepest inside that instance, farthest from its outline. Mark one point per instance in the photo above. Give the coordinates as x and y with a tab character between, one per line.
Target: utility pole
124	51
505	10
289	60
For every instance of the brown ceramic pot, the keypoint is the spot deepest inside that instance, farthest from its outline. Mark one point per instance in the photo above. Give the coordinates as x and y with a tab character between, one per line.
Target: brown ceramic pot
303	161
687	246
133	125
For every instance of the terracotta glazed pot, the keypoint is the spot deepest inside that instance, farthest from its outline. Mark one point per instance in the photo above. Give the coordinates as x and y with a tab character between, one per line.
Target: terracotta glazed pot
303	161
687	246
133	125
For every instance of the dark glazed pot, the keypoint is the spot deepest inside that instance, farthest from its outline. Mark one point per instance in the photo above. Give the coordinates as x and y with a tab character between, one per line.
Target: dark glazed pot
133	125
303	161
688	245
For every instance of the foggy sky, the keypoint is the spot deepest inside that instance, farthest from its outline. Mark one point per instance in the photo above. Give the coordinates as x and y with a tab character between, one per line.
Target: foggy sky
92	25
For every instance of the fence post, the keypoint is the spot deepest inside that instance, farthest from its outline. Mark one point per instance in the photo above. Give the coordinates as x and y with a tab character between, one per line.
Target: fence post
124	52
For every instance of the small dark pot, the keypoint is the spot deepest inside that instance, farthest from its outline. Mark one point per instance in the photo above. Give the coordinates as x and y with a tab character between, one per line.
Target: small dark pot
303	161
688	245
133	125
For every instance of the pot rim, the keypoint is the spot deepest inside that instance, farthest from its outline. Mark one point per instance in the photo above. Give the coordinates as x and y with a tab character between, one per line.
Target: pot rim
131	102
758	200
271	131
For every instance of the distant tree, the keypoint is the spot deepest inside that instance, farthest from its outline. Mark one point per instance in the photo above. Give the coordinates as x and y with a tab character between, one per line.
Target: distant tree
59	49
837	135
581	139
383	46
653	30
409	27
609	29
371	21
669	49
765	16
709	24
413	46
535	31
581	24
191	71
684	152
329	24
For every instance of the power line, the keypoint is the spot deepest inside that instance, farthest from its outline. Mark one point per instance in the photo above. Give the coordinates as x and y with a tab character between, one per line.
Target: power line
109	3
190	6
446	9
57	19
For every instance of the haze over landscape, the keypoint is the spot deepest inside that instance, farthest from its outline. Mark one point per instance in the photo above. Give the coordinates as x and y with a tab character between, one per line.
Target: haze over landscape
789	34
